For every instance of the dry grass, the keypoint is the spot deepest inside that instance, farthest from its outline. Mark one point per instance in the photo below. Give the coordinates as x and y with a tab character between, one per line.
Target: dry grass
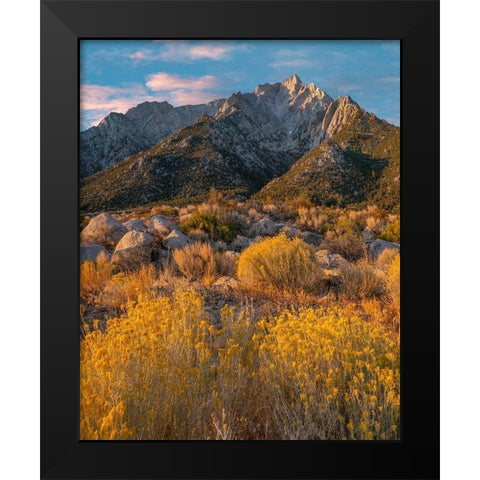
124	288
375	224
360	281
195	261
348	246
93	279
311	218
273	356
198	261
386	257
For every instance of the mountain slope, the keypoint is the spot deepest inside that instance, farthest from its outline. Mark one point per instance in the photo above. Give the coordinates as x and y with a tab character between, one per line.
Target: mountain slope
186	165
360	161
327	175
120	135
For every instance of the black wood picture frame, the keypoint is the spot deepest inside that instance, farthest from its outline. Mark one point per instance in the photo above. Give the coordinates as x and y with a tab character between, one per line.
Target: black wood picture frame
416	24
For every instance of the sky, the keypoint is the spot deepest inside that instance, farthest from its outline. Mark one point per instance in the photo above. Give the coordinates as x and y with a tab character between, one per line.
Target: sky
116	75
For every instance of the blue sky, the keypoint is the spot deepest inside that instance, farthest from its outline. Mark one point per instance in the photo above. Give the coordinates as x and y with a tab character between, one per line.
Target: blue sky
116	75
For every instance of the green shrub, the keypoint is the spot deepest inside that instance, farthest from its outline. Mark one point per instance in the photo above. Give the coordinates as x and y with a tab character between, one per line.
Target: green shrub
213	225
392	232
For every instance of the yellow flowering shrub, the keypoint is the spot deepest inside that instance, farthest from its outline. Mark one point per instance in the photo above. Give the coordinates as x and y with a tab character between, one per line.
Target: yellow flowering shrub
330	376
152	369
163	371
237	390
393	282
280	262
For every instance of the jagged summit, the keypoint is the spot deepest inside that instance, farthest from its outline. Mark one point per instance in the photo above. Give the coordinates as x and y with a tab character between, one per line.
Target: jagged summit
293	82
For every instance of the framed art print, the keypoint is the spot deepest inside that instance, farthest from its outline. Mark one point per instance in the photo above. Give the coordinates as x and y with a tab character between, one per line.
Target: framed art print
239	289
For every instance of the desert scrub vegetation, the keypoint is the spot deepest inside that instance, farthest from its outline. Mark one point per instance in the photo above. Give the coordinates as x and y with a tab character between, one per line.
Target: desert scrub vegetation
162	371
386	257
211	224
94	276
281	263
330	376
392	232
311	218
149	375
393	281
198	261
360	281
236	337
126	287
347	245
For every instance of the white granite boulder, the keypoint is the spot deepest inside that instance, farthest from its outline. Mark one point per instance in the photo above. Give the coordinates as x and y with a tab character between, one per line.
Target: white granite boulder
176	239
160	226
135	224
135	239
103	230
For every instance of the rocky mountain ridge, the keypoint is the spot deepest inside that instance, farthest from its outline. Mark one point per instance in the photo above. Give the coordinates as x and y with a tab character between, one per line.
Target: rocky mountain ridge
240	145
302	114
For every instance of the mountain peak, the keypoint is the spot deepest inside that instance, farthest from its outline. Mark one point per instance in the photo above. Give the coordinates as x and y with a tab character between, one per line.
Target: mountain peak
292	82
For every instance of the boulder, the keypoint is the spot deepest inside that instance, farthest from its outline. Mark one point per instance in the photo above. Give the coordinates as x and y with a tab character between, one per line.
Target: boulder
132	258
135	239
266	227
103	230
133	250
378	246
94	253
135	224
241	243
328	260
176	239
290	231
227	282
160	226
368	236
311	238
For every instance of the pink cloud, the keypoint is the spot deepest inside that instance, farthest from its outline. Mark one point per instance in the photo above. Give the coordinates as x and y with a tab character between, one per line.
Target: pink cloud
167	81
97	101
